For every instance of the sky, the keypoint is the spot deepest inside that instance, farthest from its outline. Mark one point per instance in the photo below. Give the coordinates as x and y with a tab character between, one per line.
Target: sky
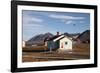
40	22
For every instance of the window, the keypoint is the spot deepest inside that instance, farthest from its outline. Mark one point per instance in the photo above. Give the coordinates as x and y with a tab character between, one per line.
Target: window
66	43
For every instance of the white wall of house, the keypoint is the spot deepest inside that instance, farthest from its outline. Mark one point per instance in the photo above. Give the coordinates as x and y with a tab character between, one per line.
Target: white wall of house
65	44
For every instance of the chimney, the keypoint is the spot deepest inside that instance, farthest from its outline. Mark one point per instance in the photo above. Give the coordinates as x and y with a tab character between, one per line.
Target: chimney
57	33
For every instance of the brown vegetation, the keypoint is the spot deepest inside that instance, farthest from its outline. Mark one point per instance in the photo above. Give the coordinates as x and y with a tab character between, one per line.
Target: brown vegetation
40	53
34	48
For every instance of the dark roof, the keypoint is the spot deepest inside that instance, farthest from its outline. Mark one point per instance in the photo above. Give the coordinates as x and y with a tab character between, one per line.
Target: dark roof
54	37
51	38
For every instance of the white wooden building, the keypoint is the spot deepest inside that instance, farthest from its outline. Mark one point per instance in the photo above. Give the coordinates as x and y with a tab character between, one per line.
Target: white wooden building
65	43
61	42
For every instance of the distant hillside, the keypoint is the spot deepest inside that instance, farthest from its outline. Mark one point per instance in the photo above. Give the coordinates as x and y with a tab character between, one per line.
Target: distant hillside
85	36
73	35
67	34
39	39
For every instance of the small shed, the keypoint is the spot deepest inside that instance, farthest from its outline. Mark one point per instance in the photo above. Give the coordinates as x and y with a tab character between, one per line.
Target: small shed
61	42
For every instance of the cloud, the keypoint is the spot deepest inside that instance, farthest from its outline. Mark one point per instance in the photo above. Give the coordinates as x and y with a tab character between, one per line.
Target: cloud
29	19
68	19
36	19
65	17
31	22
72	22
33	25
69	22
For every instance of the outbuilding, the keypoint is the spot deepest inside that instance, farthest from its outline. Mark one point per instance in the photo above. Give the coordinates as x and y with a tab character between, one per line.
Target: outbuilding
60	42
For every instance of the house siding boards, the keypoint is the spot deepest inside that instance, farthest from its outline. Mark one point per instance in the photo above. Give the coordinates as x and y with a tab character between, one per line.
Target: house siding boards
66	43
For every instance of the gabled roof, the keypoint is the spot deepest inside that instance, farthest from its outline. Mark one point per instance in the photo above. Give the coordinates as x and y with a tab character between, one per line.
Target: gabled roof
52	38
61	37
56	38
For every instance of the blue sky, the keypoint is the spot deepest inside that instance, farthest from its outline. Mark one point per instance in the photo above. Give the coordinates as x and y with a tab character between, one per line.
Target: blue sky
40	22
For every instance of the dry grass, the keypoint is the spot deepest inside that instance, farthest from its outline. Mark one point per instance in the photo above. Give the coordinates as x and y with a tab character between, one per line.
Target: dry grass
80	51
34	48
82	48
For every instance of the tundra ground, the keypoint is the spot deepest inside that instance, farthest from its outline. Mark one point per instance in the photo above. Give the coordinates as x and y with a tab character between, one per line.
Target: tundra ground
41	53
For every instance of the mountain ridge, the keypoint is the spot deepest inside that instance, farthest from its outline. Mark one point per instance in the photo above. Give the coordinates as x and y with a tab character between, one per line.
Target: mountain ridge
39	39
